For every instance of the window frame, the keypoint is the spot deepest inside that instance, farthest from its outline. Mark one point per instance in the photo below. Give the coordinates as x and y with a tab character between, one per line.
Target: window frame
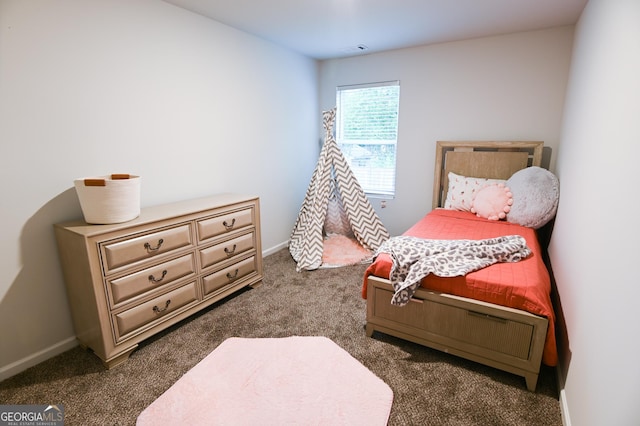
380	186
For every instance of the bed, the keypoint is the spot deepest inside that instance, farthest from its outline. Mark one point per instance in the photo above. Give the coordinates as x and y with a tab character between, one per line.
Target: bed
500	315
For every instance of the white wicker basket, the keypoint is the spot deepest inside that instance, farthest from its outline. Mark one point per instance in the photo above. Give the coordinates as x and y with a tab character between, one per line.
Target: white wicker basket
109	199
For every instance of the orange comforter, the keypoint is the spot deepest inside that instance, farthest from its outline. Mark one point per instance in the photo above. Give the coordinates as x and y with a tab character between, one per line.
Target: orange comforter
522	285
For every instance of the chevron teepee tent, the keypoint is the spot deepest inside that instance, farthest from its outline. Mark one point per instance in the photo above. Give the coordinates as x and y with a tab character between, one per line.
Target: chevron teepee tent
335	189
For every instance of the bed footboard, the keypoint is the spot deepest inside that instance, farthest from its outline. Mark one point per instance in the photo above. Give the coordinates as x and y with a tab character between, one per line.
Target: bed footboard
500	337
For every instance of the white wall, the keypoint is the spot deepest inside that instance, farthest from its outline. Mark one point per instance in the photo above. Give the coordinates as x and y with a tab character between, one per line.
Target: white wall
143	87
594	249
496	88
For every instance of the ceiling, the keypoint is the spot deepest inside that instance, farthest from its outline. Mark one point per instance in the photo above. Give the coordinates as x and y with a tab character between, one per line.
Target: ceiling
324	29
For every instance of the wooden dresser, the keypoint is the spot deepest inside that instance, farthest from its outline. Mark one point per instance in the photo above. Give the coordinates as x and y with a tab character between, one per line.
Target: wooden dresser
128	281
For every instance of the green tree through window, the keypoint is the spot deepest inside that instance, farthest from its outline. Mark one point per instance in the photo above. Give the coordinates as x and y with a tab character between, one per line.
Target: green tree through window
367	133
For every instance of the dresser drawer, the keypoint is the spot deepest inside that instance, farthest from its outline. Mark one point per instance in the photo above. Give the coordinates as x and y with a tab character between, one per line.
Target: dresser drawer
218	225
128	251
124	288
226	250
228	275
155	309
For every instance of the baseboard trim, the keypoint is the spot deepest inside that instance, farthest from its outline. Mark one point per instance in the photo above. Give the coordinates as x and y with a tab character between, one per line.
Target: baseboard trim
564	409
562	395
275	248
36	358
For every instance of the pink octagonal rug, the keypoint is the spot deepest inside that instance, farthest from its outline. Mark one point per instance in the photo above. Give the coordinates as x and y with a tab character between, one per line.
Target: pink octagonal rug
298	380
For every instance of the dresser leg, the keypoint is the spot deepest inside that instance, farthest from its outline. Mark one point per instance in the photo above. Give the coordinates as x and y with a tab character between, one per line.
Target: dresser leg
120	358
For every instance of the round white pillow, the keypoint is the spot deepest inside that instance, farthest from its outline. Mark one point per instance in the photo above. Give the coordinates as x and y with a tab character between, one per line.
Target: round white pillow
535	192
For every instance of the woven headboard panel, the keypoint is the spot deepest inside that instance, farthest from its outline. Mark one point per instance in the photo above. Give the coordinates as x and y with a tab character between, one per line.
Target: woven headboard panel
485	159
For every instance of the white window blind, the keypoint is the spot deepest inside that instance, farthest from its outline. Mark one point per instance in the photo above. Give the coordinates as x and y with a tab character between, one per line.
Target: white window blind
367	133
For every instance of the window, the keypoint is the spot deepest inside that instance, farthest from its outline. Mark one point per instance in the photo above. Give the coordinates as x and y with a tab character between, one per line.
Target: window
367	133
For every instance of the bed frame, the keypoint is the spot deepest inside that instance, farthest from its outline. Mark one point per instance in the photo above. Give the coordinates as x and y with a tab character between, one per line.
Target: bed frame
508	339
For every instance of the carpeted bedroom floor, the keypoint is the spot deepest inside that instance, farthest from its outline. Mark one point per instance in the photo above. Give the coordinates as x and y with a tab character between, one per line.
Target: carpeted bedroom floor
430	388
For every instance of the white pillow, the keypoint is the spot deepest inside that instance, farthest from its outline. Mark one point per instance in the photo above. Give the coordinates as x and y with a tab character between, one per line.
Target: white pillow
462	189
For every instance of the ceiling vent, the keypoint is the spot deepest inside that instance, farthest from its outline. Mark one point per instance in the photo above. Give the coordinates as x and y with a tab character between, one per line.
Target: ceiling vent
356	49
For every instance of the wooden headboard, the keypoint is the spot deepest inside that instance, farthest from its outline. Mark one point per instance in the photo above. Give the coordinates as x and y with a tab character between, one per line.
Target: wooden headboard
485	159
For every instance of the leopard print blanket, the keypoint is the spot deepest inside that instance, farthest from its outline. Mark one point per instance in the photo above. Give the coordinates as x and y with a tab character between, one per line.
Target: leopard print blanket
415	258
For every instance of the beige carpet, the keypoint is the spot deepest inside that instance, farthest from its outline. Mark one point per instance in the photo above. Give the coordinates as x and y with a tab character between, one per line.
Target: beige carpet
429	387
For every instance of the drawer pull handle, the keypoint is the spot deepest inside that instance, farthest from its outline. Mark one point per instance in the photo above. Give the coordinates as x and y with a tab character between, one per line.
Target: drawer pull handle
234	276
228	226
230	252
157	280
156	248
414	300
487	316
161	310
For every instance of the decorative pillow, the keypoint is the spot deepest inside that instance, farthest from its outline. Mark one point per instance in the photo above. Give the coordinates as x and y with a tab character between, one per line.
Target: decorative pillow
536	192
462	189
492	202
